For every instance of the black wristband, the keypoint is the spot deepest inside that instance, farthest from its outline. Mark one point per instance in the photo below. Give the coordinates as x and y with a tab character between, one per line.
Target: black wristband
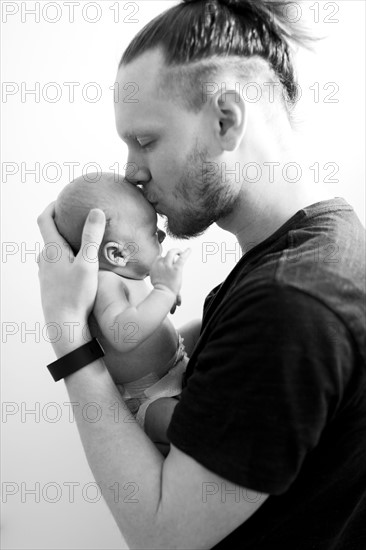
76	360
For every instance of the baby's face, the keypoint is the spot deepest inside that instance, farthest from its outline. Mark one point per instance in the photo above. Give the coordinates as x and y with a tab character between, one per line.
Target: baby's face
131	221
146	244
141	236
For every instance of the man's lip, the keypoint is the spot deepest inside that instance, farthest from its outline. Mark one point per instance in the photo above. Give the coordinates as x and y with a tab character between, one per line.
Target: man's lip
150	201
155	205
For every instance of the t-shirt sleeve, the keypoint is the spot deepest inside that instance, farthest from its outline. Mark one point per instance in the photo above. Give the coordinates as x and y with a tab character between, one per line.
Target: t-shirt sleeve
269	377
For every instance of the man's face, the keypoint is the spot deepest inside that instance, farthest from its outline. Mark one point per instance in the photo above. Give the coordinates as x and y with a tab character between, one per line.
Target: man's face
168	148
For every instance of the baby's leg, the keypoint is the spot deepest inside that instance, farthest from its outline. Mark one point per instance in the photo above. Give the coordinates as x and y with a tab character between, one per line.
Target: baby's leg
157	419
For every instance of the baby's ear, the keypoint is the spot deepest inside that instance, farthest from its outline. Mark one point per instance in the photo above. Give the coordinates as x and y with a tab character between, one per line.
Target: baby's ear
112	253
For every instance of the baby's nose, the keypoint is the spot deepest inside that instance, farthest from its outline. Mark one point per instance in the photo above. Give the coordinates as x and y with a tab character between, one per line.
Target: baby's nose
161	235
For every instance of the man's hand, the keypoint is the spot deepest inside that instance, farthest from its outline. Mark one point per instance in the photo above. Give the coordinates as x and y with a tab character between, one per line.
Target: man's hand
69	283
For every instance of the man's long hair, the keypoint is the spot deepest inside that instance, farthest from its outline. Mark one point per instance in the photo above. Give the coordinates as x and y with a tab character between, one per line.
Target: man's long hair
200	37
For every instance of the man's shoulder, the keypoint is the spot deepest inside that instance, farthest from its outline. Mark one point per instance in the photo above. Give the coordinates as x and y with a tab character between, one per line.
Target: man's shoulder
330	244
319	260
326	242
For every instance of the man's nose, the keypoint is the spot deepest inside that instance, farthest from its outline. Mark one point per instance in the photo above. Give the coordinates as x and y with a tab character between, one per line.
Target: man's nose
161	235
137	174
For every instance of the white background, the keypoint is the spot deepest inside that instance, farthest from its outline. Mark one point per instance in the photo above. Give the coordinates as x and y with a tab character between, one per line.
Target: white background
35	449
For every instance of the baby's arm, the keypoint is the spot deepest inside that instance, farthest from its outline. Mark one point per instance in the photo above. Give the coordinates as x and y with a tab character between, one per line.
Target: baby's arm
125	326
112	309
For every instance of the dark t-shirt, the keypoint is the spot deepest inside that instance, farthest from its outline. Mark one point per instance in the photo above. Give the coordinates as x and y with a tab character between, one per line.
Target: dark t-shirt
274	398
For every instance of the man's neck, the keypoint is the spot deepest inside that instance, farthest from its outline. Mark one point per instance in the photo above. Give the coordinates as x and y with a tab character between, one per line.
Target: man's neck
277	180
261	210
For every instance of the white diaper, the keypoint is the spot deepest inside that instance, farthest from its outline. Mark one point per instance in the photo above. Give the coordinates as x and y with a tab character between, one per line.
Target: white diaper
139	394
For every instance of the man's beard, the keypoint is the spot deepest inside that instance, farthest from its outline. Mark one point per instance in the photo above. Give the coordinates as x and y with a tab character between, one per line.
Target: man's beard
202	196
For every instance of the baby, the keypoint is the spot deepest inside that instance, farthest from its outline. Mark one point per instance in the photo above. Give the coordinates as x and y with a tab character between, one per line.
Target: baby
144	353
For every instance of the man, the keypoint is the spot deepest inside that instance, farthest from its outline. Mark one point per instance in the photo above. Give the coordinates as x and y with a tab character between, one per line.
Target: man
268	440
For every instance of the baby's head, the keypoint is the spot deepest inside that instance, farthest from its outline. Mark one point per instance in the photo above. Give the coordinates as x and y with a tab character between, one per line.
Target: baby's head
131	241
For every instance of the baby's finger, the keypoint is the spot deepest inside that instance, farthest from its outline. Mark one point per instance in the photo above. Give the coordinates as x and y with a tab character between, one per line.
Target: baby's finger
169	258
183	257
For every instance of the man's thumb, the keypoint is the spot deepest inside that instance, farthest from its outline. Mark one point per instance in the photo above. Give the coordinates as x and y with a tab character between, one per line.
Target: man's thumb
94	228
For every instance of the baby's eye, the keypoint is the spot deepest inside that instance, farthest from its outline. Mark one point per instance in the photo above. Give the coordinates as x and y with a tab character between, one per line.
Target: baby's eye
145	145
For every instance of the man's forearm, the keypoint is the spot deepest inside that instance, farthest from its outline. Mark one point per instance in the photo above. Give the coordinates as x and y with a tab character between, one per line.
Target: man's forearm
125	463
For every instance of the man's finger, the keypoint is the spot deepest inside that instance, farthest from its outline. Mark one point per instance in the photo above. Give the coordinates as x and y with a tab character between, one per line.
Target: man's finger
94	228
48	228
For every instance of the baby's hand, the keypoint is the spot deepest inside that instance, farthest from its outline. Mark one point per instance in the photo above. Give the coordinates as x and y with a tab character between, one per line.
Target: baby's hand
166	272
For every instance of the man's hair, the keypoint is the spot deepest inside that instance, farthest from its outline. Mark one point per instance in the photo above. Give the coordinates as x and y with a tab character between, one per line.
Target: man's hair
200	38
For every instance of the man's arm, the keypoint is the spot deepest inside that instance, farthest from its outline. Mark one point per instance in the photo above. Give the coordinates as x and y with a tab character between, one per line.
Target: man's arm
190	332
156	503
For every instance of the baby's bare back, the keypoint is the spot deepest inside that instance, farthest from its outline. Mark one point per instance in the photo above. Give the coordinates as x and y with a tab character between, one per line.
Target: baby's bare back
152	355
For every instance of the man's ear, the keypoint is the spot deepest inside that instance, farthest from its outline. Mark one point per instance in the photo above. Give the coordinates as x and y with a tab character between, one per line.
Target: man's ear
115	254
231	114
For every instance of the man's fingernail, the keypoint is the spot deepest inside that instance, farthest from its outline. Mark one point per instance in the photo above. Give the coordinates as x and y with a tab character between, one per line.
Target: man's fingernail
96	215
